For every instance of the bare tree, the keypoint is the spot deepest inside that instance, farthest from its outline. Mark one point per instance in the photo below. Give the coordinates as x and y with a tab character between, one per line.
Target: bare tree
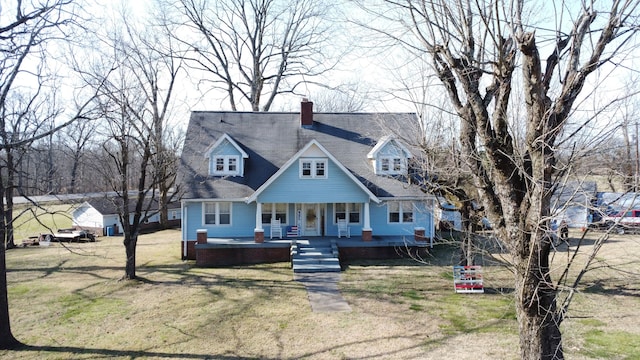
476	49
346	98
28	108
76	141
255	50
136	102
629	162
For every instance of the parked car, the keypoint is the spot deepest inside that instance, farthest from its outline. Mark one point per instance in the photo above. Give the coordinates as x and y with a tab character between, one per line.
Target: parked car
621	222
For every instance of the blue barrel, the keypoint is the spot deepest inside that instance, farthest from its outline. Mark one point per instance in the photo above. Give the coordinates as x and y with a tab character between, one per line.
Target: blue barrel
109	231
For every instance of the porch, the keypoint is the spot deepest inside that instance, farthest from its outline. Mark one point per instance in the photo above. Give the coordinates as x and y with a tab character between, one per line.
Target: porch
216	252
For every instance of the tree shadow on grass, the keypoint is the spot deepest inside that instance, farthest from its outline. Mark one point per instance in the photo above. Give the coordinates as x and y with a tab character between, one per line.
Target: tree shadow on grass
605	287
122	353
265	279
427	340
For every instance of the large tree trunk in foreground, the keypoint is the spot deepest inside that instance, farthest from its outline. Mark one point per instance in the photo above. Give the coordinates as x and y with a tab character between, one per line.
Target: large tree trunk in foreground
7	340
535	297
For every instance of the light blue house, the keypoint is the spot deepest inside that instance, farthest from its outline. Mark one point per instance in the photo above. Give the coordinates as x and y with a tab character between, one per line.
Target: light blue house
241	170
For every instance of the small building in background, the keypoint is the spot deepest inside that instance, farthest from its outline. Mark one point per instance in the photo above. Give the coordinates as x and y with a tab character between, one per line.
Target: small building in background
100	215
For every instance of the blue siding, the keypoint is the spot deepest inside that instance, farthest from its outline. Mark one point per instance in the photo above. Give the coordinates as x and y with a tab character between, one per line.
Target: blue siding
242	221
422	217
226	148
391	149
337	187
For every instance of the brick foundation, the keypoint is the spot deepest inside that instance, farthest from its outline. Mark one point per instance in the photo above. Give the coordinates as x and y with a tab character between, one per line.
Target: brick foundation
367	234
191	251
418	234
381	253
212	257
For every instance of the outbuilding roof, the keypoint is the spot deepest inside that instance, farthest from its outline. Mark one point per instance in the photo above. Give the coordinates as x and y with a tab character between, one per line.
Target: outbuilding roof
109	205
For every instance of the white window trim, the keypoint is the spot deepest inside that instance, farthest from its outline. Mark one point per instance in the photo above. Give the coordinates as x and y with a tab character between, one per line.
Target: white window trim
347	212
400	213
313	162
217	213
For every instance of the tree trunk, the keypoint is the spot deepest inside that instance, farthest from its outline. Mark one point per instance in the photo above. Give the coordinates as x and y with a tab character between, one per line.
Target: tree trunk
535	297
7	213
468	245
130	242
162	203
74	173
7	340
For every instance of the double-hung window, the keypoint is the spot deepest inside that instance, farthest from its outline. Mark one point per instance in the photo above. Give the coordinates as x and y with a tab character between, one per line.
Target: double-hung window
400	212
384	165
392	165
274	211
224	165
348	211
217	213
397	165
313	168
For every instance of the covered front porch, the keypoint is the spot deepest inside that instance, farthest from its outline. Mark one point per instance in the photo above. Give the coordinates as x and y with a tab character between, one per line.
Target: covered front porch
312	220
215	252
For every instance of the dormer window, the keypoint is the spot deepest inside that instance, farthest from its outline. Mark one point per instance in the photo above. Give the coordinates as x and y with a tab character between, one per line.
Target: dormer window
389	157
226	157
224	165
313	168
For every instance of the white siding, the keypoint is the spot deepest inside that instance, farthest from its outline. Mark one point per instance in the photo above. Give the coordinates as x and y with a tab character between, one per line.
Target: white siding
87	216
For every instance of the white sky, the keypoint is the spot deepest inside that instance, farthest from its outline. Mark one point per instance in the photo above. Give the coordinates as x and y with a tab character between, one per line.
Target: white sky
372	70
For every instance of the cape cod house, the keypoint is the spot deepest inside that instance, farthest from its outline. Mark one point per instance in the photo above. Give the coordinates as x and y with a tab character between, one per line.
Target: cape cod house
251	179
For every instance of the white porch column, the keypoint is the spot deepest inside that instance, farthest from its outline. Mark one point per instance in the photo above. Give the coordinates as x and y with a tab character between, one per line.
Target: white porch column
258	216
367	232
367	220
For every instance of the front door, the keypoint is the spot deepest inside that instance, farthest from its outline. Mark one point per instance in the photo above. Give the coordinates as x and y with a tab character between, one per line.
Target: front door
310	217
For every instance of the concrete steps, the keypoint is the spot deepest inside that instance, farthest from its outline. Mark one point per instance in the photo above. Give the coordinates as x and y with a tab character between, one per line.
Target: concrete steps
315	256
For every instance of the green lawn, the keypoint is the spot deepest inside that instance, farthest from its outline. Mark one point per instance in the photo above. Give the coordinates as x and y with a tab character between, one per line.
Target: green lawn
67	303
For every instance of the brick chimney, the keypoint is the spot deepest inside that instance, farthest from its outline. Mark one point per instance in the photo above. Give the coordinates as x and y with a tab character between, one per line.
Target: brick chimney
306	113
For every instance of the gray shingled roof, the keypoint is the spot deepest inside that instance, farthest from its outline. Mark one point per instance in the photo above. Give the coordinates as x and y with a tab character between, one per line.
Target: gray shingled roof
108	206
271	139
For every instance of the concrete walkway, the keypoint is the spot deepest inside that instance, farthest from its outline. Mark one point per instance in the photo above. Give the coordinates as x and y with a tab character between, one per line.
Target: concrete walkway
323	292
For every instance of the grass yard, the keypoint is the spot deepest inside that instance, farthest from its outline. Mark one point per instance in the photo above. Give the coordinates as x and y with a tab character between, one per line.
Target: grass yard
31	221
66	303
